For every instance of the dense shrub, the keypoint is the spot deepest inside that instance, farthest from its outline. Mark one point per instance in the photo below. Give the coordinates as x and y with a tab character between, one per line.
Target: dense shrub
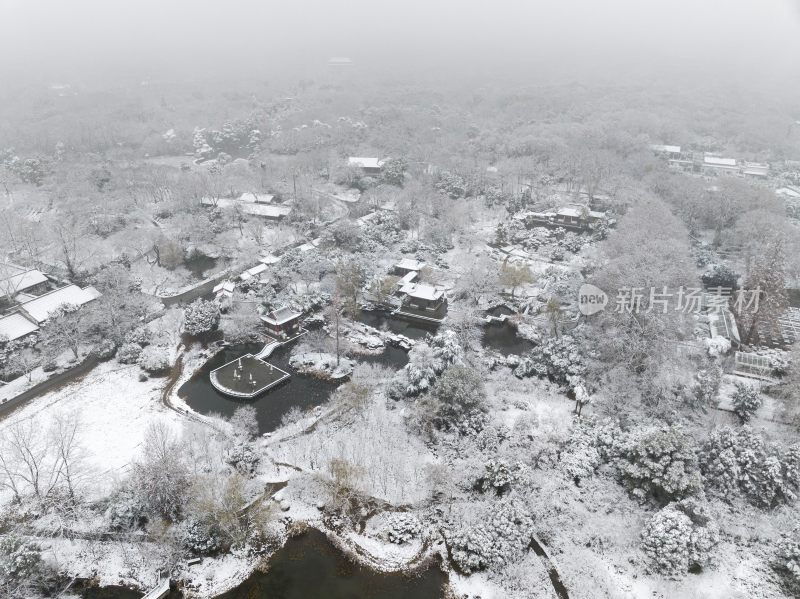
679	537
198	537
126	510
498	476
662	464
241	456
129	353
787	563
402	528
493	540
558	359
720	275
458	394
740	462
154	359
105	350
746	401
201	318
21	567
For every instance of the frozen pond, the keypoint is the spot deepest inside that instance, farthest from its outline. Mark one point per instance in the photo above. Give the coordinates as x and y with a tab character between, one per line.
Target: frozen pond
300	390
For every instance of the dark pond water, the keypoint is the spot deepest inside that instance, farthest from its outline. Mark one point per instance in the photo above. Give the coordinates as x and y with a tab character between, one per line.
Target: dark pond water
199	264
501	310
394	357
310	567
110	593
503	338
383	321
300	390
794	297
115	592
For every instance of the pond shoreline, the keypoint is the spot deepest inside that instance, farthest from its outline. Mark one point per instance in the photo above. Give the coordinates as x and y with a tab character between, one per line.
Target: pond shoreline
426	563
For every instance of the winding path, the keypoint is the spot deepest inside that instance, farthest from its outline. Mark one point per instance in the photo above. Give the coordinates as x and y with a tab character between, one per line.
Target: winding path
555	579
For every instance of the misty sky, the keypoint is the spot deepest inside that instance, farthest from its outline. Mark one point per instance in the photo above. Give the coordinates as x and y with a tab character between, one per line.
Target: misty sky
64	39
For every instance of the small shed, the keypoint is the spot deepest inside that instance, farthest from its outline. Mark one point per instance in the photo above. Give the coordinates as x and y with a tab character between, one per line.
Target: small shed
369	166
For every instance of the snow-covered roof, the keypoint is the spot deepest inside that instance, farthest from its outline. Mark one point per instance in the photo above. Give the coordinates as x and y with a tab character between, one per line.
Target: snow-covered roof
253	272
789	191
257	269
280	316
269	259
226	286
266	210
15	326
250	207
310	245
410	264
15	279
258	198
573	211
666	149
716	161
407	278
365	162
756	168
40	308
423	291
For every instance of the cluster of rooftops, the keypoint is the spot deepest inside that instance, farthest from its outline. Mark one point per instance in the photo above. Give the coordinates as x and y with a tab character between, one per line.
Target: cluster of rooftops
710	164
28	299
570	216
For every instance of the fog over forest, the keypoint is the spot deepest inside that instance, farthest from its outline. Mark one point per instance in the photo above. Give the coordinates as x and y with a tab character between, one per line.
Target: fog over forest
742	41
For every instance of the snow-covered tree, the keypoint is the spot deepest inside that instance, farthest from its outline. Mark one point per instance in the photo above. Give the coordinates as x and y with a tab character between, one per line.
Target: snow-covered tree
426	361
394	171
680	536
155	359
739	461
457	395
767	279
559	359
746	401
129	353
126	509
495	537
514	276
21	568
787	562
199	537
662	464
201	318
498	477
160	477
401	528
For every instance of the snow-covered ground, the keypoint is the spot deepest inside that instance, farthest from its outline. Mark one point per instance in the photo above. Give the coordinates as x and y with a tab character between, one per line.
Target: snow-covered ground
114	408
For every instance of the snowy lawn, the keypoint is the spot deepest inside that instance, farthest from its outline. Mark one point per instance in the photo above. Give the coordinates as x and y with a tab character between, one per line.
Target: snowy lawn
114	408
